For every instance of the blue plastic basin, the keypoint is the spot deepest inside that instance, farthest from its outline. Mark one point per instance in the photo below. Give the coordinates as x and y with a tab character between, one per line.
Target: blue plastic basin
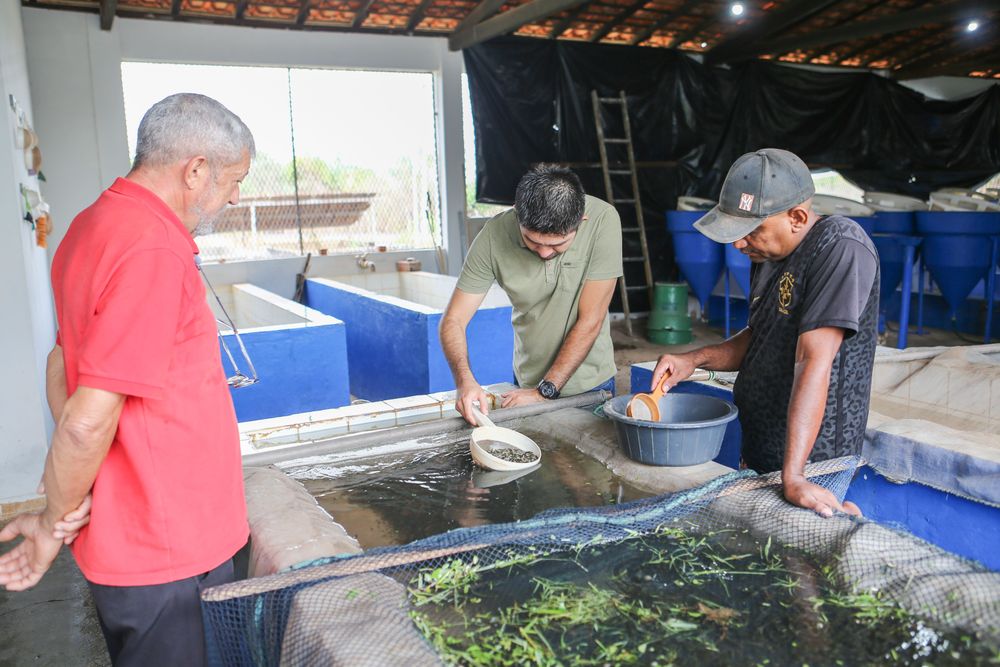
690	431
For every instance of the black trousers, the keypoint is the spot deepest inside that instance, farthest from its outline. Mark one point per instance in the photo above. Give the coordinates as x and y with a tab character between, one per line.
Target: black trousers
157	625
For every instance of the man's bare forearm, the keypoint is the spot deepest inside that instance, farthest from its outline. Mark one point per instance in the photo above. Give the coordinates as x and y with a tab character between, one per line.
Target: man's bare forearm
574	350
814	356
725	356
81	441
55	382
805	413
456	351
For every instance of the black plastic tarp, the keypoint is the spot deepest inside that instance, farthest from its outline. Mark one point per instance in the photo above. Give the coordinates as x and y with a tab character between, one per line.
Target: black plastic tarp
531	103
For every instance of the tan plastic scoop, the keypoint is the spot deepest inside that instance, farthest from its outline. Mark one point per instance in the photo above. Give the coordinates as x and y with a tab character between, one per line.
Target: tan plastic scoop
489	437
647	406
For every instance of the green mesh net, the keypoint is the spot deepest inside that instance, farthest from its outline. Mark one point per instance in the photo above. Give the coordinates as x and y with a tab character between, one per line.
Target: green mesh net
728	573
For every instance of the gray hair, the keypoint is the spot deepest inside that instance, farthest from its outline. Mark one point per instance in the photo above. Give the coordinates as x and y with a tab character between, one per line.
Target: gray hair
184	125
549	200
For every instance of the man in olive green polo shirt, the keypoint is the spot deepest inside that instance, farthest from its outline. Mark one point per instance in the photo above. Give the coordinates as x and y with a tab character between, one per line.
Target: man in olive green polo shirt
557	254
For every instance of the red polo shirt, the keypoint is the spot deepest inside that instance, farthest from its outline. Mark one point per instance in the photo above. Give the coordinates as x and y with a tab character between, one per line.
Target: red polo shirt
133	319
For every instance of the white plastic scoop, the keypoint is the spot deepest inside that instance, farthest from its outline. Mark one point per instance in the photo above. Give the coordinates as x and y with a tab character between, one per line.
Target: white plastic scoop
488	436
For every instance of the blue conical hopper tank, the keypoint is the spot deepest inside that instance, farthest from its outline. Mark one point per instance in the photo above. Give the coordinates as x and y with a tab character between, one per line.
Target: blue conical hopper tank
891	254
866	223
700	259
739	267
894	222
957	250
889	225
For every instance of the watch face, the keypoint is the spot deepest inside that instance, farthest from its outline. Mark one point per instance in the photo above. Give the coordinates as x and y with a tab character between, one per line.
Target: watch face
547	389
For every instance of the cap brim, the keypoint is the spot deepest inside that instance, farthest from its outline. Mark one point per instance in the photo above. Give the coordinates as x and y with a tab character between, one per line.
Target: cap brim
724	228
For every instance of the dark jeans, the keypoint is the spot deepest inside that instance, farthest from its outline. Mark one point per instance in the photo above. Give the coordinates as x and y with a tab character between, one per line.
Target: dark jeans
607	386
157	625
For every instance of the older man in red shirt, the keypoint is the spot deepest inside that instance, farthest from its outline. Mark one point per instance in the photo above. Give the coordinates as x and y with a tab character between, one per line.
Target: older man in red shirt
145	422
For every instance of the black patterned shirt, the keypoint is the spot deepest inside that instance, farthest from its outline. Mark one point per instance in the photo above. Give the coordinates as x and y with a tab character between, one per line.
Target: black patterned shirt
830	280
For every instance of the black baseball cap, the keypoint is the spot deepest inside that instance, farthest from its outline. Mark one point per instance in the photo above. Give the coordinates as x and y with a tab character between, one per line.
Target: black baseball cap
758	185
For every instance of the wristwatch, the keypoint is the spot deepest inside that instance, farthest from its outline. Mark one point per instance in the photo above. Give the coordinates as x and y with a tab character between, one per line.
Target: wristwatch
548	389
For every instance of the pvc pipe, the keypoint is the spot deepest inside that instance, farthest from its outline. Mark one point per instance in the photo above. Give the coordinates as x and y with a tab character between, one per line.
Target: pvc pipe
991	278
919	354
413	431
728	296
910	244
921	288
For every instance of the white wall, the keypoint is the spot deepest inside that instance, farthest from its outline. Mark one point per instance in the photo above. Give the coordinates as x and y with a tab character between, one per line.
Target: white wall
28	327
75	66
76	86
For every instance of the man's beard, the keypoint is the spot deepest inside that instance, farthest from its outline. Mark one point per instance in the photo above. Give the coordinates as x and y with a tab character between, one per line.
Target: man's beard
206	222
205	226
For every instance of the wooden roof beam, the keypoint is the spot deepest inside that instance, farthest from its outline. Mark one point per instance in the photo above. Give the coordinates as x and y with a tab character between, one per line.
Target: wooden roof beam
566	23
479	13
694	32
417	16
661	22
953	11
893	49
303	14
362	14
868	43
508	21
108	9
778	20
819	51
989	61
945	55
618	19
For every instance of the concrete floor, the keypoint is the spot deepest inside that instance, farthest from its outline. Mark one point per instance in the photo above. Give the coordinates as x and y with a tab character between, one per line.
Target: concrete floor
56	623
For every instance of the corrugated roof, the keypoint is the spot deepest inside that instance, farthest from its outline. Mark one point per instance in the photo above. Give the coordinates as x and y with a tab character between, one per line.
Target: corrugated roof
910	37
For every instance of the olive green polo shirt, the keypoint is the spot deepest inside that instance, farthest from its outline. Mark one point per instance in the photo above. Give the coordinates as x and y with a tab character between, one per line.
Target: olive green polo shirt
546	294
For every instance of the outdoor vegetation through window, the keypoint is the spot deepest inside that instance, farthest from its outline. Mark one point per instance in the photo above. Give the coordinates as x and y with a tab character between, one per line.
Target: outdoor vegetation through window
346	159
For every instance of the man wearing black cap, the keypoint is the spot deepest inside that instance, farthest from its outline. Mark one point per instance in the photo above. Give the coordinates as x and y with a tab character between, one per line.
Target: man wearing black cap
805	358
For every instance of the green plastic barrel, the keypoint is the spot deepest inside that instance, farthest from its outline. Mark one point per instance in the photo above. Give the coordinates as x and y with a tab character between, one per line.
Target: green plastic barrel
670	297
668	336
669	322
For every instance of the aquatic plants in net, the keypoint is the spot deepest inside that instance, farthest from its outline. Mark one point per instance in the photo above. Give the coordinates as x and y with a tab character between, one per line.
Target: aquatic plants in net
726	573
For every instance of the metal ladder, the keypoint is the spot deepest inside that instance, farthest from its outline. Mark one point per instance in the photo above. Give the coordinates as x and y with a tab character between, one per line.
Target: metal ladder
618	202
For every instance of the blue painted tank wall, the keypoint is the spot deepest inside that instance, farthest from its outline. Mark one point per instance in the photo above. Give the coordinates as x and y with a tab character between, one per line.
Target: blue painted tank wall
961	526
490	337
301	369
395	351
955	524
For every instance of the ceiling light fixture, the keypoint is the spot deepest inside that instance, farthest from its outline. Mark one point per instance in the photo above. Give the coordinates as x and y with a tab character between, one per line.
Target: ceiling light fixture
737	9
972	26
